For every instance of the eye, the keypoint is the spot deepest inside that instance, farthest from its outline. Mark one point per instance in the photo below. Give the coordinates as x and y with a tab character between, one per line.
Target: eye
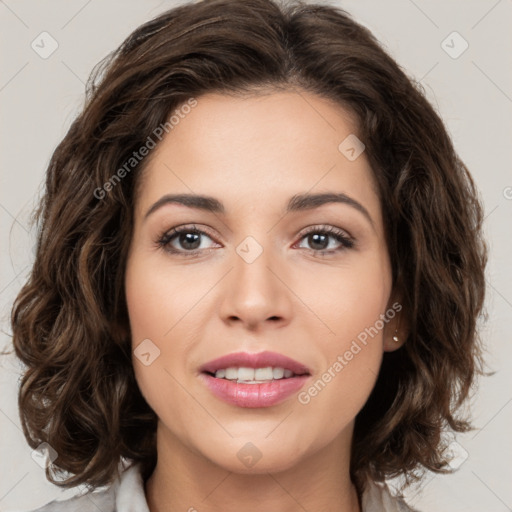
327	240
189	240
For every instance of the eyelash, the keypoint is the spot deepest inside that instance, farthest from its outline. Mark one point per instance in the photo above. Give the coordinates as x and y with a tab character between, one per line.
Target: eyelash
339	235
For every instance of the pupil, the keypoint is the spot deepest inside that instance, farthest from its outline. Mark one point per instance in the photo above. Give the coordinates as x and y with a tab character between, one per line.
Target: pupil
189	238
315	241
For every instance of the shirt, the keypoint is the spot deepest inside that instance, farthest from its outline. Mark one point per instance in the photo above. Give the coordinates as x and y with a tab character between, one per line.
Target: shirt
126	494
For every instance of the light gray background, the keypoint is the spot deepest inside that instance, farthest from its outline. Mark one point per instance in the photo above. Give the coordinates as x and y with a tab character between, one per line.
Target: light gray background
473	93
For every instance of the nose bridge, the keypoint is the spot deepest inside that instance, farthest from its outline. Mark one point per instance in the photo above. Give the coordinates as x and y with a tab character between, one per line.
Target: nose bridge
252	262
254	293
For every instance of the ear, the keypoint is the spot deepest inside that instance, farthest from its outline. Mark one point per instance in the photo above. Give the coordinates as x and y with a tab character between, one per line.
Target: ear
396	329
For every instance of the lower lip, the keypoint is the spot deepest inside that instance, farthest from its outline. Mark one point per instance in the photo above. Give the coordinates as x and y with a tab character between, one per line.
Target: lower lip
254	395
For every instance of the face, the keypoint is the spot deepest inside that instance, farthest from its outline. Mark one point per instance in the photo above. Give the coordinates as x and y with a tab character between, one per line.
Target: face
259	269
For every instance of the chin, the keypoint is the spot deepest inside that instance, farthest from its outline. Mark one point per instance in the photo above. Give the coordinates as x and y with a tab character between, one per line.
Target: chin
243	456
266	464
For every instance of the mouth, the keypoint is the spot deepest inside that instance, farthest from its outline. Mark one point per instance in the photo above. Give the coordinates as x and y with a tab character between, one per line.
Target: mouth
254	380
259	367
246	375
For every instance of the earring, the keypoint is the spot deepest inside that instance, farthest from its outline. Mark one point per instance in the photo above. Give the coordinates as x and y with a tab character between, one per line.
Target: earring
395	336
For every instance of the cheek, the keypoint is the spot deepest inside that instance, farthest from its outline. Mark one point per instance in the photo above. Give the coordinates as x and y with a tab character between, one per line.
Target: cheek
163	300
351	308
154	308
346	301
353	356
163	305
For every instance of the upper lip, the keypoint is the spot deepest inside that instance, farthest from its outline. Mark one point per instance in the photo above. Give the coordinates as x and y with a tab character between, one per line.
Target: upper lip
258	360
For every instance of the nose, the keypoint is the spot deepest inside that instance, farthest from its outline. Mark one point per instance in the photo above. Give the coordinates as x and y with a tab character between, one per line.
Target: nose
255	293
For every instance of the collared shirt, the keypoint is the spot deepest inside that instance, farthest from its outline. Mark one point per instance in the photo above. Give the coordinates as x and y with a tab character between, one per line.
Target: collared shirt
126	494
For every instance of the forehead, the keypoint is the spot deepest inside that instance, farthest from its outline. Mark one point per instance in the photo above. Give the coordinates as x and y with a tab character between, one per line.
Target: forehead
244	149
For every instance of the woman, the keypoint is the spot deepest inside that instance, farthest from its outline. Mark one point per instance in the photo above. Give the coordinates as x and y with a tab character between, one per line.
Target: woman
286	353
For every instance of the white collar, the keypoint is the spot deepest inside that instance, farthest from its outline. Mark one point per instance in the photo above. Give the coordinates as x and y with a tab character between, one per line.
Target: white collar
127	494
130	495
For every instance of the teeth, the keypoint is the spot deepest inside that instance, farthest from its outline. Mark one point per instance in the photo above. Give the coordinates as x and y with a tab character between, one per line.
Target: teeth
278	373
231	373
253	375
262	374
247	374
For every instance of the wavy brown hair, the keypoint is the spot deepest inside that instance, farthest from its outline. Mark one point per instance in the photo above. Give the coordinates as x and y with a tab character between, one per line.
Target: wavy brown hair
70	322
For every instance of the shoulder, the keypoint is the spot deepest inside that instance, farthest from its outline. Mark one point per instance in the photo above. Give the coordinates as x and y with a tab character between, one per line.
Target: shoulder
126	493
378	498
91	502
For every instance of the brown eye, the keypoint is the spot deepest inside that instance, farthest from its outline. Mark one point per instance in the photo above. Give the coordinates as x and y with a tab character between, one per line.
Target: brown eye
188	240
327	240
183	240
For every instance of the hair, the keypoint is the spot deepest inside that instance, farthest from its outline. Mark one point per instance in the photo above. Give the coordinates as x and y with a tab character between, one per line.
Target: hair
70	323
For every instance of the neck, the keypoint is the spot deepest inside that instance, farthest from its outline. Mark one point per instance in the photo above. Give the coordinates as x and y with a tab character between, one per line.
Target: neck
185	480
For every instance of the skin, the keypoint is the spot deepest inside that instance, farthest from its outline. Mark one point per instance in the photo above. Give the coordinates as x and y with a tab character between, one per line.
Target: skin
253	153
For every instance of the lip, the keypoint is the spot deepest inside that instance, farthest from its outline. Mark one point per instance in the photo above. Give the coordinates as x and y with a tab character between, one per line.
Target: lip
254	395
258	360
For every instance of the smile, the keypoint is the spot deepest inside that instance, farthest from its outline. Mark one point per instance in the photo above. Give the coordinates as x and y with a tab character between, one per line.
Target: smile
254	380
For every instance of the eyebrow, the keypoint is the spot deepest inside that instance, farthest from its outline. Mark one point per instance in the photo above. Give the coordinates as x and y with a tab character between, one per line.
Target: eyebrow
298	202
301	202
